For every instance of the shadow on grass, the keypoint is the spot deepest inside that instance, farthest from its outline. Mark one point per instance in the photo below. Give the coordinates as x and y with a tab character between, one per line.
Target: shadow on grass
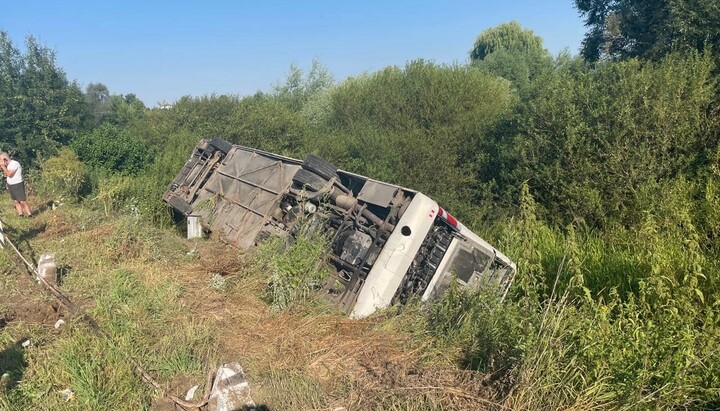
12	365
31	233
43	207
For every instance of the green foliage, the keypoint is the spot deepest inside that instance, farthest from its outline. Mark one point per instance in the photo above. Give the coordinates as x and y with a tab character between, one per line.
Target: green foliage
64	177
486	330
97	97
594	138
293	270
104	107
421	126
112	149
513	53
39	109
144	194
259	121
620	29
113	192
299	88
508	37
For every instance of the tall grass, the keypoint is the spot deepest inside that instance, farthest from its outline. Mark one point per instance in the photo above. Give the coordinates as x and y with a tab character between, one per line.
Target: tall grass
294	267
616	325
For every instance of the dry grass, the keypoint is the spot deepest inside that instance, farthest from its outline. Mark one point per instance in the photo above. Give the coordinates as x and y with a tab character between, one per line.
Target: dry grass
330	360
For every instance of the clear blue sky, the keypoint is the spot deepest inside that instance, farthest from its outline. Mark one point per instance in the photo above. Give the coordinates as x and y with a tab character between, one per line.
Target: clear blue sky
163	50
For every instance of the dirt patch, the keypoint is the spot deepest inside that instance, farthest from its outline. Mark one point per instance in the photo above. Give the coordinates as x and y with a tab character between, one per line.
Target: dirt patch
57	228
357	362
179	386
26	302
31	311
219	259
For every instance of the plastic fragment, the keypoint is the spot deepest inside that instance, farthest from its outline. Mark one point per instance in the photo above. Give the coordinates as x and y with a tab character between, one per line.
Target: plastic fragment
191	393
68	394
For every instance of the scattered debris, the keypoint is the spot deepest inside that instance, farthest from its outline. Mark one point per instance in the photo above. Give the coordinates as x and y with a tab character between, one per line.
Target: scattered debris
25	343
68	394
58	323
231	392
191	393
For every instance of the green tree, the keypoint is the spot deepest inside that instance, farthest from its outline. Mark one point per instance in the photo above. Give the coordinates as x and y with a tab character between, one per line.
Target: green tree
300	87
598	140
509	37
619	29
125	108
40	109
97	97
513	53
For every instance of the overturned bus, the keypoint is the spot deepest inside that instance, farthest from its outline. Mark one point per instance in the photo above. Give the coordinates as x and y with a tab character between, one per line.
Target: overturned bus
388	243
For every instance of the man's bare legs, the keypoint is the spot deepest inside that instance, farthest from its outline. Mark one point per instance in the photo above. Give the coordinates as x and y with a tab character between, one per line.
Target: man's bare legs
21	206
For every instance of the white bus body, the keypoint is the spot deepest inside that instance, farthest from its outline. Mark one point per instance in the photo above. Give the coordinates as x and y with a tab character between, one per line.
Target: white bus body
388	243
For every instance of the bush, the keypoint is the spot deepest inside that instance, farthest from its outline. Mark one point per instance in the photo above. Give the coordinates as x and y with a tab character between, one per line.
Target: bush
488	332
64	177
294	270
112	149
113	192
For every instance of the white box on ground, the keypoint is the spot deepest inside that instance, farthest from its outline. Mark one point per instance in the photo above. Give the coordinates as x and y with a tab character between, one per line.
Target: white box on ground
194	228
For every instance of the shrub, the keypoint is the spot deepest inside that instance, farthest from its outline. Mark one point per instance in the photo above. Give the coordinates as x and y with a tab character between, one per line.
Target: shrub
112	149
295	269
64	176
113	192
487	331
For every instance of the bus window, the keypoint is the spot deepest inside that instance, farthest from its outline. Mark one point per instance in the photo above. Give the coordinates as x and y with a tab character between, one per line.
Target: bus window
467	263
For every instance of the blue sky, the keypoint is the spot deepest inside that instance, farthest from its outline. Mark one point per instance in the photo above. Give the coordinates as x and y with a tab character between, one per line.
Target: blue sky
163	50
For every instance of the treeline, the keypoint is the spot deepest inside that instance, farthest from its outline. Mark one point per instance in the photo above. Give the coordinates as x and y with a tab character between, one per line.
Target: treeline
599	174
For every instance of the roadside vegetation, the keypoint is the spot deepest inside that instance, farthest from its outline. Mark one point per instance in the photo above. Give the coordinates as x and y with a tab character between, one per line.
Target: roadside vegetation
598	174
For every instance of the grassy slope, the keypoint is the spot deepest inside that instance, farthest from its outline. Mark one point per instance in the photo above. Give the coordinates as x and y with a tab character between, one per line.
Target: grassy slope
183	307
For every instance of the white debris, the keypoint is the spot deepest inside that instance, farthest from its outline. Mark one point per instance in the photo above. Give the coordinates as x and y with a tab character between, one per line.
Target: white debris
47	268
25	343
58	323
68	394
231	392
191	393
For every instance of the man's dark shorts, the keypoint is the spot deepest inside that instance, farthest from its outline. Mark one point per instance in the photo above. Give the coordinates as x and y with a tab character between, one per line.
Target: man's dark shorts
17	191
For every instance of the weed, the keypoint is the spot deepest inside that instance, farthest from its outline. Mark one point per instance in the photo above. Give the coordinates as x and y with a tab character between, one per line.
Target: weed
63	177
218	282
293	270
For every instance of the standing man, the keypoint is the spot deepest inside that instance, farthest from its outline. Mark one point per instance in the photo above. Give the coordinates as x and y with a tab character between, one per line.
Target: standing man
15	184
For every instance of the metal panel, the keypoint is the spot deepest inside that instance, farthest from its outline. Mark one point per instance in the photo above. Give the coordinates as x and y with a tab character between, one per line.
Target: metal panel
377	193
247	187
